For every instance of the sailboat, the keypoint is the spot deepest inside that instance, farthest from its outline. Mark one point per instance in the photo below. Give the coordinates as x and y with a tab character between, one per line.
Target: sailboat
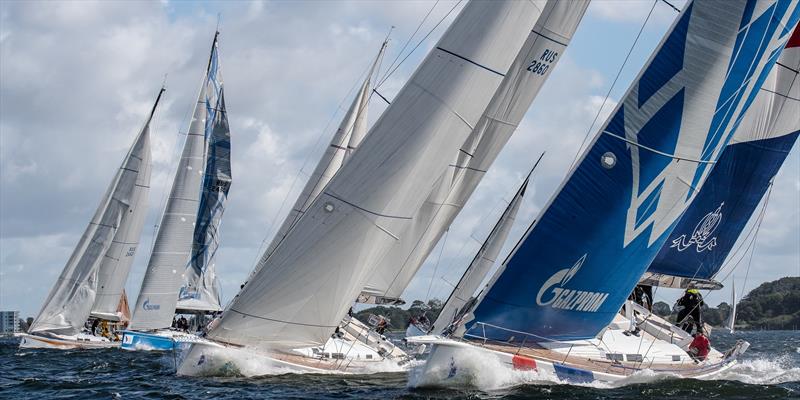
181	273
304	289
554	304
461	298
92	282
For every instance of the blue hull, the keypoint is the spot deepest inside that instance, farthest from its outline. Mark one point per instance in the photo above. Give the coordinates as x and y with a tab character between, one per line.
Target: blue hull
133	340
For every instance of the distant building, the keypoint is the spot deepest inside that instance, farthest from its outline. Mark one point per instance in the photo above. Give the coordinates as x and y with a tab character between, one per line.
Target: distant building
9	322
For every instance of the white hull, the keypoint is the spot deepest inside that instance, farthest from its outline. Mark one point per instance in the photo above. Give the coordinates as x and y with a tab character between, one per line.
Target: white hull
80	341
614	357
358	351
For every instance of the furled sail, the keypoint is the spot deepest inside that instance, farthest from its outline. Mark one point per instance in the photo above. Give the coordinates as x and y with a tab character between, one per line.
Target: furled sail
479	268
348	136
545	44
309	282
598	234
71	299
182	261
706	233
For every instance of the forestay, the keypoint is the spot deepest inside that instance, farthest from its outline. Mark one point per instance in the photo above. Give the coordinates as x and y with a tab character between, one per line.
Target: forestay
706	233
556	22
577	264
309	282
187	238
71	299
348	136
479	268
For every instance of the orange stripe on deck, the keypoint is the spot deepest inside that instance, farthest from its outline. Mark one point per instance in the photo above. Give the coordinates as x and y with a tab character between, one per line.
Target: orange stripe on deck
523	363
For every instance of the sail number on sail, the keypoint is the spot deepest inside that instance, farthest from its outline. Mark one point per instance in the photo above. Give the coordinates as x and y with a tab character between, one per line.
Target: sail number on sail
542	64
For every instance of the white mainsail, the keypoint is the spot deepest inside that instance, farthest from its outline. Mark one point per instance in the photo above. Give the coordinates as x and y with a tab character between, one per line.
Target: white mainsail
543	48
482	263
71	299
348	136
309	282
192	206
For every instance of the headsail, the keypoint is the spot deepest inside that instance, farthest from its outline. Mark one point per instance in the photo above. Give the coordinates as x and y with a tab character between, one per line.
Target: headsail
480	266
572	272
348	136
707	232
308	283
187	236
544	46
71	299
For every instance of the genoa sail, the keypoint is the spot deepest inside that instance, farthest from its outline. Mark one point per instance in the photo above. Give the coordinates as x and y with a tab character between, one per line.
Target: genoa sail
576	265
348	136
712	224
187	238
70	301
479	268
307	285
546	42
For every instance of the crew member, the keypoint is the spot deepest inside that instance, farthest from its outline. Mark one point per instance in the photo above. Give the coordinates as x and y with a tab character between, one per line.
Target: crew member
381	326
700	346
691	302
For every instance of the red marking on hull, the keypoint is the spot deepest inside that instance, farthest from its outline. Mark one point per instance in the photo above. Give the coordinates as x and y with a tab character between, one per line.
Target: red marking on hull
524	363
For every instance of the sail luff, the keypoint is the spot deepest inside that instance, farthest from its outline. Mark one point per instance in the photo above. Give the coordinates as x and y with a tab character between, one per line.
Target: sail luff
348	136
70	301
482	262
613	212
532	66
307	285
166	269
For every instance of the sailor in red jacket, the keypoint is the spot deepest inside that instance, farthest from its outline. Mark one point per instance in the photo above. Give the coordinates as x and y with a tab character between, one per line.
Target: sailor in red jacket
700	346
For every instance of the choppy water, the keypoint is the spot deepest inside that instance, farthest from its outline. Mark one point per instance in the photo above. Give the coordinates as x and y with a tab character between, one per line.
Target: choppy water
769	370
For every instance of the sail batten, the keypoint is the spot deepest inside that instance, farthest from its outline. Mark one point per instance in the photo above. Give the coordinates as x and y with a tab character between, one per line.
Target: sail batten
96	271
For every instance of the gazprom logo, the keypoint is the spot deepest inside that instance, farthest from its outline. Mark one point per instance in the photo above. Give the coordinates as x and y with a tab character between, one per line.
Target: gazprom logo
554	294
150	307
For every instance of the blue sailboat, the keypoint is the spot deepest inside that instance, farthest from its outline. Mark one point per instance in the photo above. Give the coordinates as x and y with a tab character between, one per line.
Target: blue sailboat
555	304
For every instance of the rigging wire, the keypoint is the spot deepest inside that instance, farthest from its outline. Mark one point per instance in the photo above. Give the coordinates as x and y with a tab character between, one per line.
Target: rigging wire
436	267
405	45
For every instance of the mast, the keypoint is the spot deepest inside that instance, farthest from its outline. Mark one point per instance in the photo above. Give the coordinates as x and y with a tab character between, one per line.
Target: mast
167	268
533	64
569	276
348	136
307	285
71	299
483	261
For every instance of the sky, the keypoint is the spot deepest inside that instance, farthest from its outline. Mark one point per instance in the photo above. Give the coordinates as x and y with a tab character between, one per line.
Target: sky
77	80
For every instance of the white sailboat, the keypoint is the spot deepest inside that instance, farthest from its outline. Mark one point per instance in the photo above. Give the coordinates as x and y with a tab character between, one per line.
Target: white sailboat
92	282
299	296
554	305
181	272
